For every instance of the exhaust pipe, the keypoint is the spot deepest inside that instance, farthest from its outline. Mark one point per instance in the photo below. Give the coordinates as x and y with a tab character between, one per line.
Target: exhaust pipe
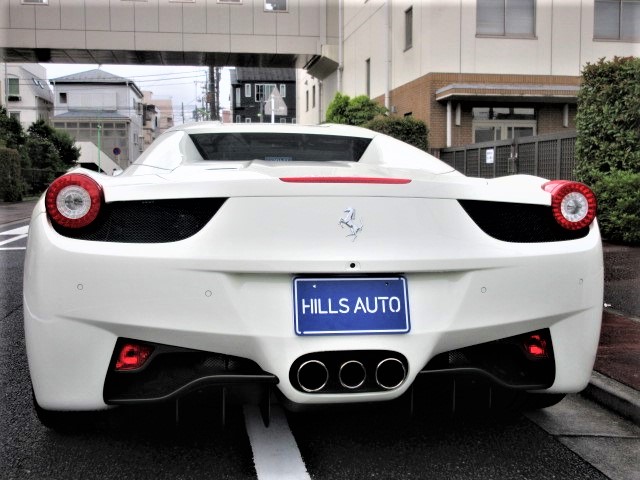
312	376
352	374
390	373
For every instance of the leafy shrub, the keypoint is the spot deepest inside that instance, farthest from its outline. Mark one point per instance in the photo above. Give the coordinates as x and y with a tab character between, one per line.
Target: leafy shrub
353	111
407	129
608	144
11	184
618	195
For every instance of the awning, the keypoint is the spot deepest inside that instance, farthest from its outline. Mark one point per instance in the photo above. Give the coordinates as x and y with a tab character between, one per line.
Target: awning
521	93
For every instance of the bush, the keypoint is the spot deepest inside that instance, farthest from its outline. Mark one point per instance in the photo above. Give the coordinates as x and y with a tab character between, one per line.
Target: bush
608	144
68	153
11	184
618	195
353	111
41	154
407	129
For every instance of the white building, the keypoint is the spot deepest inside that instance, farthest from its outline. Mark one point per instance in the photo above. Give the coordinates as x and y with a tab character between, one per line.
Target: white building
26	93
471	69
102	108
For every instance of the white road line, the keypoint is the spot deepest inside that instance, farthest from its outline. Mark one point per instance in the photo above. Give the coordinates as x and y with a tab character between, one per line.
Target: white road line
17	231
275	453
15	239
2	249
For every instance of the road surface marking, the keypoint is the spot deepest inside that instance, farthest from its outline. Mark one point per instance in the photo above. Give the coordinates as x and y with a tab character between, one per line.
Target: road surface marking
275	452
17	231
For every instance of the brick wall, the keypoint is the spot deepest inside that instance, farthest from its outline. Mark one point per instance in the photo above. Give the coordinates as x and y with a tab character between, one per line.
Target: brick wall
418	97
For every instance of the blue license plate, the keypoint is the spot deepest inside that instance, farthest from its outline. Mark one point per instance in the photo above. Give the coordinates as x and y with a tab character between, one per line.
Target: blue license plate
325	306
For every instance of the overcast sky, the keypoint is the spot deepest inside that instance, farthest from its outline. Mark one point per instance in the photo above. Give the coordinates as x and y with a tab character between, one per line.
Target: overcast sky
177	83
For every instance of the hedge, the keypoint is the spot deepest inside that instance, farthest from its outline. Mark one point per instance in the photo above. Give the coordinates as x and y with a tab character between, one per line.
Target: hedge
11	184
608	144
407	129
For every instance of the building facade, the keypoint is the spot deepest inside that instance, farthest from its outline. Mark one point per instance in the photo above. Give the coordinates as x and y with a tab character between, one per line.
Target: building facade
256	92
102	108
26	93
472	70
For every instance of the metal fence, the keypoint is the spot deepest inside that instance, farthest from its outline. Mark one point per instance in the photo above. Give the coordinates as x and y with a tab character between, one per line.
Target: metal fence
549	156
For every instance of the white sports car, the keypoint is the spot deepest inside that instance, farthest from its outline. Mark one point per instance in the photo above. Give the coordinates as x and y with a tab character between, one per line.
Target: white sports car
322	264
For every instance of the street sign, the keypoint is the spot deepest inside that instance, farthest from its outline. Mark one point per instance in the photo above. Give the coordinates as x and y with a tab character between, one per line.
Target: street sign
275	104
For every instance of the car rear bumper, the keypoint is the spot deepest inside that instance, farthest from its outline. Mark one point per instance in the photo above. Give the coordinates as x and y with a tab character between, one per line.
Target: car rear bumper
81	297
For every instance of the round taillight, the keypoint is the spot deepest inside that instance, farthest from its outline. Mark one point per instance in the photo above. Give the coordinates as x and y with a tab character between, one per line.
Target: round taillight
573	204
74	200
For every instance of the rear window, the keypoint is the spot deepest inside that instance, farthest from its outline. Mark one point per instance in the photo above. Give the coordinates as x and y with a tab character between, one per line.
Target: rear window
279	147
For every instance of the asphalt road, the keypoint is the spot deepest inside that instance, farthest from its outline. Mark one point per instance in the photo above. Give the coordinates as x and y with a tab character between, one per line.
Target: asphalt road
373	442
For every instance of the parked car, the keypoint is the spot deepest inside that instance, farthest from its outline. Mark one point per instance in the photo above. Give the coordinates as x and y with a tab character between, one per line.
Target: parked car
327	264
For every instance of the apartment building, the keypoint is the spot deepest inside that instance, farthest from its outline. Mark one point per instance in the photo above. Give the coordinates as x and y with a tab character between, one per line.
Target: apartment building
26	93
252	90
472	70
102	108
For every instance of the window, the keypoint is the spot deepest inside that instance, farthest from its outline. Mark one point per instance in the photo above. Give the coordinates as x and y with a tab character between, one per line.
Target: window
35	2
63	97
508	18
238	119
237	2
313	97
263	91
306	94
182	1
367	76
283	90
15	115
238	99
617	20
275	5
13	86
502	123
247	90
408	28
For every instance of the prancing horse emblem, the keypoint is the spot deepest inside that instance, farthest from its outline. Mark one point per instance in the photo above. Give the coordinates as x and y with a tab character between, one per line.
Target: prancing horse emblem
349	220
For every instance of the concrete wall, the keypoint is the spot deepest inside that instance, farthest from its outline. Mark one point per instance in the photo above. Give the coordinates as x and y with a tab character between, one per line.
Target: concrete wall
163	25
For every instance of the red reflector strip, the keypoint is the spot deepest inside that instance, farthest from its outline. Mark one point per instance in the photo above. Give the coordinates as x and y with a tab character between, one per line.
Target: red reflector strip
374	180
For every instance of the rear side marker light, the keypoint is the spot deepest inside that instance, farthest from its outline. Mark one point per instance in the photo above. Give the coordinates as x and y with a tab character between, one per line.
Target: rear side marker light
573	204
370	180
132	356
74	200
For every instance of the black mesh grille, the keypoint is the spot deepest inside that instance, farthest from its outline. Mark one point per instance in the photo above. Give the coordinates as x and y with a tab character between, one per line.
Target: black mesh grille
148	221
519	222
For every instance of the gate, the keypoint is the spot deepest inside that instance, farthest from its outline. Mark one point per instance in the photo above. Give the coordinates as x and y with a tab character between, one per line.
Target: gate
549	156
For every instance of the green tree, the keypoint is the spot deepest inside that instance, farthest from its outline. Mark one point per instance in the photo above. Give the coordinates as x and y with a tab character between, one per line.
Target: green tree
608	144
11	133
40	154
68	153
353	111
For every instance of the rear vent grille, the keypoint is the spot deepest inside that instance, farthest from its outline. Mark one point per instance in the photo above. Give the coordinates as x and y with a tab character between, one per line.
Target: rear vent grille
519	222
148	221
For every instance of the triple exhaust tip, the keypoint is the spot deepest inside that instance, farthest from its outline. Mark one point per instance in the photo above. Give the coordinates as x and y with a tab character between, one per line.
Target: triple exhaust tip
313	375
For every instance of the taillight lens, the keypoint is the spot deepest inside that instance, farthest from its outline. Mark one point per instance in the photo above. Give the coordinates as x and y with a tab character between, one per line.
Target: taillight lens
573	204
74	200
133	356
536	346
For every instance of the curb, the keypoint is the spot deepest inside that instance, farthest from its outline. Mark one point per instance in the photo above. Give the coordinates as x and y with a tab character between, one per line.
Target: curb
615	396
